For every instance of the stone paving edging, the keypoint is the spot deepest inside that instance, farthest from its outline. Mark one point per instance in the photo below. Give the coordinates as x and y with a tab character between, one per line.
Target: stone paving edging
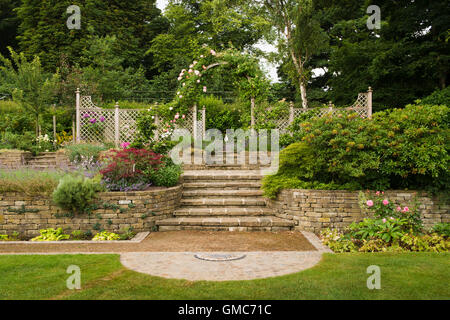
316	242
136	239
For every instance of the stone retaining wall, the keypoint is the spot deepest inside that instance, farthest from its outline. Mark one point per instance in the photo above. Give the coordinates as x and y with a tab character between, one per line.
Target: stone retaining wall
115	211
315	210
13	159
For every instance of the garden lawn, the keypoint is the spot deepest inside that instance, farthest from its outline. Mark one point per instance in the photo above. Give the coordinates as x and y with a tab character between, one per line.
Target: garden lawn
339	276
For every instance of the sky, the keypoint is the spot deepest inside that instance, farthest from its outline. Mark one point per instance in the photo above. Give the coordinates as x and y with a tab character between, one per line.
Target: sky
271	69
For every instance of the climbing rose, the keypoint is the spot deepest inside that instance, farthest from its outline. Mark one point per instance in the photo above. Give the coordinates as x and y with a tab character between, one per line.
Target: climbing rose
213	52
377	193
125	145
384	220
204	89
177	116
385	202
369	203
183	116
405	209
399	209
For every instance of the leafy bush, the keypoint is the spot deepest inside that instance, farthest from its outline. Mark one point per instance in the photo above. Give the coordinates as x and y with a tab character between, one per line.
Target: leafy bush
425	243
106	236
80	151
51	234
387	230
442	229
382	208
299	169
438	97
75	193
28	181
225	116
396	149
130	167
127	234
79	235
336	242
167	175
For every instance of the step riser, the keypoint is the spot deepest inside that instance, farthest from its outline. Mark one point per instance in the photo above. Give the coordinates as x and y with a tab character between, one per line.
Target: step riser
225	222
223	186
222	203
226	229
256	194
223	212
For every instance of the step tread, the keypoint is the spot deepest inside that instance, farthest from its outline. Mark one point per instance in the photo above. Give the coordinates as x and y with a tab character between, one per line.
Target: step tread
239	221
230	211
221	201
220	192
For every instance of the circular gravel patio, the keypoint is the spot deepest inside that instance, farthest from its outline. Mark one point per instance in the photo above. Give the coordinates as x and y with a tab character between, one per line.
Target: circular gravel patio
255	265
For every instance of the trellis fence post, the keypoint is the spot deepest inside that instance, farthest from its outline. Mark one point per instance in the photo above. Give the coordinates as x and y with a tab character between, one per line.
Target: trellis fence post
116	124
330	106
369	102
78	116
194	121
157	127
252	111
203	122
291	113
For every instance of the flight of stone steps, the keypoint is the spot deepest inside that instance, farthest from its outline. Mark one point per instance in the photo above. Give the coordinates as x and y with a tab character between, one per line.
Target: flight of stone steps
223	198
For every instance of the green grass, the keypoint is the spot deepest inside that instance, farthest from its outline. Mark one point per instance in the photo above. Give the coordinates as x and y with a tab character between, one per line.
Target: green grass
339	276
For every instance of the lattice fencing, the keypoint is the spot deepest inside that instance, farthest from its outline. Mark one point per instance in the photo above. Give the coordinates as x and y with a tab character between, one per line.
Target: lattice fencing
362	106
96	124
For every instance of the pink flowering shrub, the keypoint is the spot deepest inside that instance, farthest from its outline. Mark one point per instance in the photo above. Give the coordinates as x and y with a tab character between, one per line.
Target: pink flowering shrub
382	208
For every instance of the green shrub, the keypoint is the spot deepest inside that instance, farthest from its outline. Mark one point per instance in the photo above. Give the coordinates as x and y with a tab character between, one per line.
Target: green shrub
78	235
438	97
106	236
76	152
388	230
396	149
51	234
223	116
167	175
76	193
425	243
30	182
127	234
442	229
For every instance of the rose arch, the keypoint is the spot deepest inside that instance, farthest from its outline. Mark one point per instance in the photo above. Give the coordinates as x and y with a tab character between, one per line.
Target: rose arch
248	78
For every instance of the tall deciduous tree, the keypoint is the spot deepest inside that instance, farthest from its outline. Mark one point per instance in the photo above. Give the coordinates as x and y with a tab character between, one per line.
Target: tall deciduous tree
8	25
302	37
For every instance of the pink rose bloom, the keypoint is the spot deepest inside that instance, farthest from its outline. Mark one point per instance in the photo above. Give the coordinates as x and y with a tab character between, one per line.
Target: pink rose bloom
177	116
213	52
384	220
399	209
369	203
377	193
382	192
385	202
183	116
405	209
204	89
391	218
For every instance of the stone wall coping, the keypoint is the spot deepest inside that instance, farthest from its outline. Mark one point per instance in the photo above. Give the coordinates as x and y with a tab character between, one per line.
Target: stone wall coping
140	193
138	238
424	193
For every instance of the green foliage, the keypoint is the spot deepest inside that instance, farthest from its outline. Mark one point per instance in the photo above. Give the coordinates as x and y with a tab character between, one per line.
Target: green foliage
76	193
33	89
106	236
442	229
51	234
78	235
438	97
426	243
127	234
225	116
76	152
387	230
404	148
13	237
336	242
167	175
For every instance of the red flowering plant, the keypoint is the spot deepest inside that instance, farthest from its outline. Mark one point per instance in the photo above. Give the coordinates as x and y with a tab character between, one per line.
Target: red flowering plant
127	169
382	208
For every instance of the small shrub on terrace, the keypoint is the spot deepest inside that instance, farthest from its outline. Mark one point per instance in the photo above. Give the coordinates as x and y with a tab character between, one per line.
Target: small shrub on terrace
167	175
13	237
28	181
78	152
76	193
130	167
442	229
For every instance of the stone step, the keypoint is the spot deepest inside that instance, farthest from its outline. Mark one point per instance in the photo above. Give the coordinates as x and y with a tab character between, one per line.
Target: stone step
268	223
224	167
221	202
223	175
223	212
215	192
225	185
